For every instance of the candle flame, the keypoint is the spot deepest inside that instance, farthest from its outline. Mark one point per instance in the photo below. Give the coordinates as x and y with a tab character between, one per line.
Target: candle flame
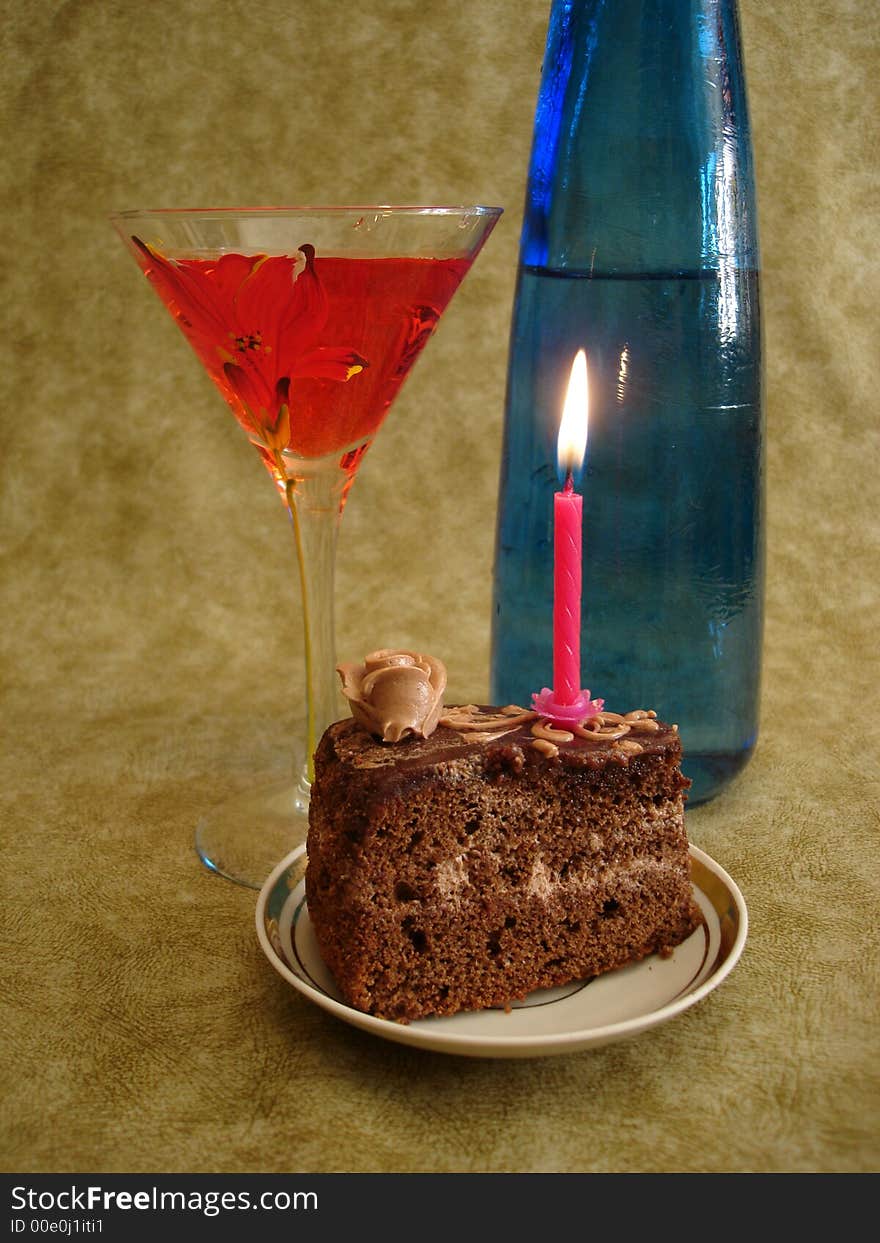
572	442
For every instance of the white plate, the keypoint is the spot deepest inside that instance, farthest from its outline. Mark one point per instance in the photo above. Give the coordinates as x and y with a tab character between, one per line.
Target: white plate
577	1016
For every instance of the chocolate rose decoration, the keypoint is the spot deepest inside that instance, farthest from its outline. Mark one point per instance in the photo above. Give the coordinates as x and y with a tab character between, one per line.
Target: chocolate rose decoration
395	693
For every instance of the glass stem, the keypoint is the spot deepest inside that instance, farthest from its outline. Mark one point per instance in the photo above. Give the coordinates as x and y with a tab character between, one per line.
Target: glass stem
314	501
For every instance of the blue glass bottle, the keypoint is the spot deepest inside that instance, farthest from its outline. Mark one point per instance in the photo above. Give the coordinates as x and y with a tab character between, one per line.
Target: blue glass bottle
640	245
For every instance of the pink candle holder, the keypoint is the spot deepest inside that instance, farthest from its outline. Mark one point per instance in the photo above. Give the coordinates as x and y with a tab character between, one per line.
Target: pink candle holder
565	715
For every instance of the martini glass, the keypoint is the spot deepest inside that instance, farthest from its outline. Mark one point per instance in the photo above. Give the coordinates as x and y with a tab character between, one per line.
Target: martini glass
308	321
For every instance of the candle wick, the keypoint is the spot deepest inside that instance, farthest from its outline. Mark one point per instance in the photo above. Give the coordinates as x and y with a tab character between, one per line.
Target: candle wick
569	482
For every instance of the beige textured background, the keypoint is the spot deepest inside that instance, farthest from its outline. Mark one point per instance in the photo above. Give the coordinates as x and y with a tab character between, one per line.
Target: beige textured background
149	608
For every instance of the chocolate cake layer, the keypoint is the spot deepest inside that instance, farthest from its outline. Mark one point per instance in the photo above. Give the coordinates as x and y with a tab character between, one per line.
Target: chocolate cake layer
470	868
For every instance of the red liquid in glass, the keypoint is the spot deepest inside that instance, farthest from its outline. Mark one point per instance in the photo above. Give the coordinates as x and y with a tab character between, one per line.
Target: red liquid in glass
384	310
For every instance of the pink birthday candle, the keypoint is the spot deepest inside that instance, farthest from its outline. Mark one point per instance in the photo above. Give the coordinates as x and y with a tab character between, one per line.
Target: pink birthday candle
568	704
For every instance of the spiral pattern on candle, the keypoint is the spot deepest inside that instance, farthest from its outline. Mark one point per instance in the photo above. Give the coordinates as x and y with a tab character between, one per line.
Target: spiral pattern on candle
568	613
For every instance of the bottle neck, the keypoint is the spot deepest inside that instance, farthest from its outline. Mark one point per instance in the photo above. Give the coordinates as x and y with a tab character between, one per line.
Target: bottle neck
641	158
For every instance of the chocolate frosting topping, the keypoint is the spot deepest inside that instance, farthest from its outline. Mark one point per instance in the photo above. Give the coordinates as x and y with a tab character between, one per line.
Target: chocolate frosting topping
395	693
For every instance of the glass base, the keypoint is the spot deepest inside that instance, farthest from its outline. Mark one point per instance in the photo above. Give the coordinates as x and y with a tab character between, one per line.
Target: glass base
244	837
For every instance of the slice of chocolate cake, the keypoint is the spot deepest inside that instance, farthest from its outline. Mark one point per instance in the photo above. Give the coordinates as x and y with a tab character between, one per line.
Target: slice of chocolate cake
494	857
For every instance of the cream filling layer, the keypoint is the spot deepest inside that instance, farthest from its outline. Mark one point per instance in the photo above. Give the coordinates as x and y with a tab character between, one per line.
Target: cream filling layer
452	878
